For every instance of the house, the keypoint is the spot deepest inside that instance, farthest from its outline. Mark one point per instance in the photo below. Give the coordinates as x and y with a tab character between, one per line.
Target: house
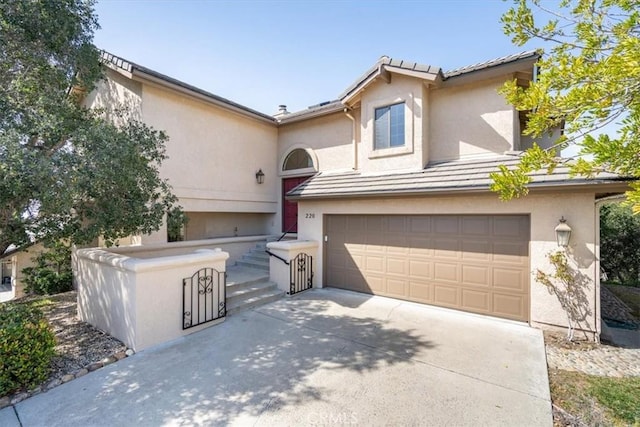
392	178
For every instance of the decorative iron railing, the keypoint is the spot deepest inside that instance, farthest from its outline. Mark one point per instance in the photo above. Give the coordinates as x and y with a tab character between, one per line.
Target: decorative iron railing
300	273
203	297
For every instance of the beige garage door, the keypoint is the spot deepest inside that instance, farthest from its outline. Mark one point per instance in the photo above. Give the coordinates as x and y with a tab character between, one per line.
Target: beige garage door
476	263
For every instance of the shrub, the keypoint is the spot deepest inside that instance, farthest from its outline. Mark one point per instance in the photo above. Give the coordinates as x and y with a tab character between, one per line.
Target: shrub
52	273
620	243
26	347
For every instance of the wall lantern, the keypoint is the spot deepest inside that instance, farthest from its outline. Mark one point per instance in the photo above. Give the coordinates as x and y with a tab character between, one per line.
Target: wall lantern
563	233
260	177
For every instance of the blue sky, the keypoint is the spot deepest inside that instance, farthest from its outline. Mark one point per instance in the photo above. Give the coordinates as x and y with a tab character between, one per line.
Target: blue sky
298	53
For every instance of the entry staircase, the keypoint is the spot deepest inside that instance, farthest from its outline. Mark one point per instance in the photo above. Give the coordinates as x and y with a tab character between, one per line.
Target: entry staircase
248	283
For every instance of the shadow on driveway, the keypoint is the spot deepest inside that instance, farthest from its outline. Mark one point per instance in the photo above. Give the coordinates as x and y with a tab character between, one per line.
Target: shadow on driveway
321	358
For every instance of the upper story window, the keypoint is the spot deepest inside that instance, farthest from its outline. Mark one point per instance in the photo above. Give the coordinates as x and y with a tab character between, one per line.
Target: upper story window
297	159
389	126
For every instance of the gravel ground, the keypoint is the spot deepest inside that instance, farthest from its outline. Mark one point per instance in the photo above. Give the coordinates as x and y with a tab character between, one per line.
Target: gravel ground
78	344
80	347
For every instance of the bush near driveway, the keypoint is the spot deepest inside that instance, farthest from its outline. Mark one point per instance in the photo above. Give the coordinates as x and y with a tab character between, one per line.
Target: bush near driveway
620	243
26	347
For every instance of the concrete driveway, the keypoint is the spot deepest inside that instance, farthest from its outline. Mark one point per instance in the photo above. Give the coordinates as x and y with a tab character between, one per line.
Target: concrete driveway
323	357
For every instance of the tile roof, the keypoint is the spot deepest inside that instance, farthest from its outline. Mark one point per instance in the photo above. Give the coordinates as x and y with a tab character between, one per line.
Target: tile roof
132	67
446	177
492	63
392	63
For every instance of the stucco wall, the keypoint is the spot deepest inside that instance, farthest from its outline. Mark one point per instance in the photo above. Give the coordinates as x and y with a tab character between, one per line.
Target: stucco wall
470	120
544	209
138	301
213	154
328	136
116	92
208	225
381	94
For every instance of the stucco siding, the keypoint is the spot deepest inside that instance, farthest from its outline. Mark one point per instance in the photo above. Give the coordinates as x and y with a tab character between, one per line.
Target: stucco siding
544	210
116	92
470	120
213	154
381	94
329	137
208	225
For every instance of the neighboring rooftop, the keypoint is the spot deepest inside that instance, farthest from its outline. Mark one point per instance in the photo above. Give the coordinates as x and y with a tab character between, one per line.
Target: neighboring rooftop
453	176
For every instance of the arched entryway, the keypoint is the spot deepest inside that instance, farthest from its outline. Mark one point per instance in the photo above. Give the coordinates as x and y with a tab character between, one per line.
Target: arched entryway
297	167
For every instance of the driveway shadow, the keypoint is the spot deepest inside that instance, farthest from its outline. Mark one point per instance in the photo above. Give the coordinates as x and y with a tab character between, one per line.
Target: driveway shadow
252	364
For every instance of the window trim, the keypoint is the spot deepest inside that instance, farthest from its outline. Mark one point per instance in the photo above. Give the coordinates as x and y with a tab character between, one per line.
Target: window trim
408	147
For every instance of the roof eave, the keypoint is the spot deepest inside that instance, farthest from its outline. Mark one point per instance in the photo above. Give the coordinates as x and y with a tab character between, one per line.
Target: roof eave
491	72
201	95
616	186
284	120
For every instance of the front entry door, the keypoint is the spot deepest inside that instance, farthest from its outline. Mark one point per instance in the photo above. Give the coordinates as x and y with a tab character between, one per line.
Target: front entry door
289	208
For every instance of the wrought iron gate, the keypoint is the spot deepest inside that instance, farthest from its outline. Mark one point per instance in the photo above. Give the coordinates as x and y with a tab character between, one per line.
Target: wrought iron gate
300	273
203	297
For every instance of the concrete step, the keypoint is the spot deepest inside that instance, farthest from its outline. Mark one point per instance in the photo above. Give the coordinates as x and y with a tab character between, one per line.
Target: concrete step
255	264
237	294
237	276
257	256
254	301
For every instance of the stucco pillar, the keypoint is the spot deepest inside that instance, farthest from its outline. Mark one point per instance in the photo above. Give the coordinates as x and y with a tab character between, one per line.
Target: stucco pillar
285	252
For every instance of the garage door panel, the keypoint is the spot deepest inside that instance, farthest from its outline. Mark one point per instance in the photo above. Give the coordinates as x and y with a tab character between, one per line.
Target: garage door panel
420	247
477	263
446	248
510	306
476	250
446	295
397	244
476	225
397	288
397	224
448	225
476	275
397	265
511	226
445	272
374	264
509	279
419	224
375	283
421	291
475	300
419	269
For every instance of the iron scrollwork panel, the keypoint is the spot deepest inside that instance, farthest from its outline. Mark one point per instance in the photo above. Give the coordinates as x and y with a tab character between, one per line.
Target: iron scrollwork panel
301	273
203	297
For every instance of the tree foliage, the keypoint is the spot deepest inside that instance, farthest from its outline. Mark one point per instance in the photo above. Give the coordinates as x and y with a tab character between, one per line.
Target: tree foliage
52	272
588	79
620	243
66	171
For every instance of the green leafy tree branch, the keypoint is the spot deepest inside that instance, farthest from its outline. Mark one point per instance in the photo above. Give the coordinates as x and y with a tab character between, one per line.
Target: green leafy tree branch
587	80
66	172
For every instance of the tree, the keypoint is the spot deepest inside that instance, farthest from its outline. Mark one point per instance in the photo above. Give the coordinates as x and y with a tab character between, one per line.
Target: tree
66	171
588	79
620	243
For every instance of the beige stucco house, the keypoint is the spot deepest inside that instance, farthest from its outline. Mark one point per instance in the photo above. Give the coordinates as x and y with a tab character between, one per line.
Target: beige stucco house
391	178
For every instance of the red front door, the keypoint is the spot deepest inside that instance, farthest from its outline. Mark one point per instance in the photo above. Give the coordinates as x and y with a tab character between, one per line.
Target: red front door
289	208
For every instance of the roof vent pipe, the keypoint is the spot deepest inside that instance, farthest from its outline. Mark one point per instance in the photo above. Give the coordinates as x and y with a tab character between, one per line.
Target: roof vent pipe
282	111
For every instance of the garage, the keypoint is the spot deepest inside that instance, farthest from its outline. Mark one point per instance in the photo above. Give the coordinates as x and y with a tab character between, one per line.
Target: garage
474	263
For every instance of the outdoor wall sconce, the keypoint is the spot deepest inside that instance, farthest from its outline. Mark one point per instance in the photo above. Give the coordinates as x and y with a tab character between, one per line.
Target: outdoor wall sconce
563	233
260	176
